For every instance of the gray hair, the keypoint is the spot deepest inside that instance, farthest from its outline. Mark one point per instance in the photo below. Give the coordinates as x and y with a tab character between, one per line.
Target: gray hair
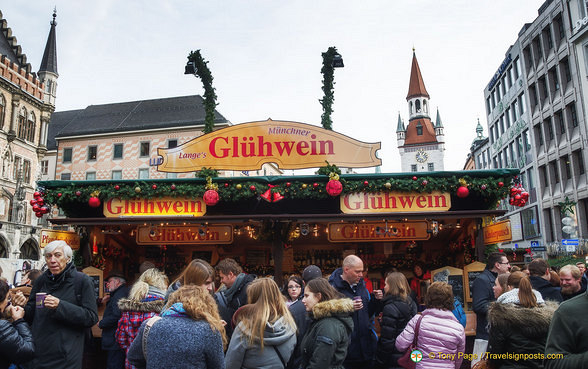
51	246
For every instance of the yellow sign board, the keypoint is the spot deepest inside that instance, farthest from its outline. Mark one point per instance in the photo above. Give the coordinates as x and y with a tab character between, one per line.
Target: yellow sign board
49	235
192	234
248	146
163	206
497	232
386	202
379	231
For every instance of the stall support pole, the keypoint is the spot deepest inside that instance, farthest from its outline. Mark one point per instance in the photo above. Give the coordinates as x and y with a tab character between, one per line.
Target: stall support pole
480	248
278	253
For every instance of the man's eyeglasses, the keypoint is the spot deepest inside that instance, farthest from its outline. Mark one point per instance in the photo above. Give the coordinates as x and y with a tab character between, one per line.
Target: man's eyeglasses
508	262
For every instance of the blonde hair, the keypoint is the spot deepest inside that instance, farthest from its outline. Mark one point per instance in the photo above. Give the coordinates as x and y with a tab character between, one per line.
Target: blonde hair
526	296
150	278
200	305
267	306
397	285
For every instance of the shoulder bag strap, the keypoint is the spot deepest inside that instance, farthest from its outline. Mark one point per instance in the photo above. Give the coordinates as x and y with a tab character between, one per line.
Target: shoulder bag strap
280	356
416	331
150	322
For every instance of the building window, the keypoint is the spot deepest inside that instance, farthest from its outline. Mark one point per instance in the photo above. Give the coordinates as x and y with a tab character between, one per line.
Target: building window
16	167
44	167
116	174
530	223
560	27
555	171
517	68
579	158
2	110
117	151
413	168
26	171
144	173
65	176
554	79
92	153
539	135
171	175
144	149
550	133
172	143
573	115
560	121
90	176
538	50
419	129
566	68
548	38
67	153
431	167
568	166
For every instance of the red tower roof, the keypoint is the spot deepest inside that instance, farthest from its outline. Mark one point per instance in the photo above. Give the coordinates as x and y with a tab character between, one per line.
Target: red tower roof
417	85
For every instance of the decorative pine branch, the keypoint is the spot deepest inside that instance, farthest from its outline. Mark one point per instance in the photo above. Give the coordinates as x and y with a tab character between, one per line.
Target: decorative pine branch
202	71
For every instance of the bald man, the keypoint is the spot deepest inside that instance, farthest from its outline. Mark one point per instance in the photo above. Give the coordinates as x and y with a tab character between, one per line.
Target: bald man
348	280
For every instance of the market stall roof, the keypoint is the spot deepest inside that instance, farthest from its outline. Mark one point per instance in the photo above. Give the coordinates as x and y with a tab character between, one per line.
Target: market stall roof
299	197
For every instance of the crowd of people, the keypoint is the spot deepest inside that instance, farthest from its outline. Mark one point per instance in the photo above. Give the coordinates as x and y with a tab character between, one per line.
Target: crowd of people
311	322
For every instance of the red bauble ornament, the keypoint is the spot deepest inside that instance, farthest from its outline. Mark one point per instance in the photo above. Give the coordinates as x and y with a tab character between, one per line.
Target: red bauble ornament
117	187
37	194
334	187
463	192
172	187
483	187
38	214
500	184
154	187
288	184
78	193
414	178
315	185
33	202
226	184
94	202
40	201
44	209
525	196
252	188
425	182
366	183
211	197
59	194
36	208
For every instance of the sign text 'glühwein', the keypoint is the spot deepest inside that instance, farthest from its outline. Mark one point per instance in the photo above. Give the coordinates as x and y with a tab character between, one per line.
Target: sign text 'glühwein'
383	202
192	234
379	231
248	146
162	206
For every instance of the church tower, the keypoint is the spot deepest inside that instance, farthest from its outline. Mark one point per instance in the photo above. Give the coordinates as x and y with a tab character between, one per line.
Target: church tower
421	143
48	69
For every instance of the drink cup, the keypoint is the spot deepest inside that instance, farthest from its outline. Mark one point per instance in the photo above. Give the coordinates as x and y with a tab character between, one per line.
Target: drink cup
40	299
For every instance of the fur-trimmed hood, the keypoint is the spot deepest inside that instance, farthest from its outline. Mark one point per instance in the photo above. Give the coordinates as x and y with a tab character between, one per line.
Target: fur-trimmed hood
335	307
531	322
141	306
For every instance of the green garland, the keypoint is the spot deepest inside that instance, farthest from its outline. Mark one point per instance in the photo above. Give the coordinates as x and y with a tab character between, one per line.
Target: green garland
328	81
202	71
238	189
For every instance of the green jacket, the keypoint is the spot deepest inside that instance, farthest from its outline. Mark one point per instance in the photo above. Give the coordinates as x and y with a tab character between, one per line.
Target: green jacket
568	335
325	343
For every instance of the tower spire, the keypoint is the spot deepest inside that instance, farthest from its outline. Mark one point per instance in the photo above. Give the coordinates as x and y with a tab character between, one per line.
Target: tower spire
416	87
48	69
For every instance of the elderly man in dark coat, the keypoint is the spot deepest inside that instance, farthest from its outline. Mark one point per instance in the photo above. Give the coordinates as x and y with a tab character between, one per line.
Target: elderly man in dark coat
118	289
60	317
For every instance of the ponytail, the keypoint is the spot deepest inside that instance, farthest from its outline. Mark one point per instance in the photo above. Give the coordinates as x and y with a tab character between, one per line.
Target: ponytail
519	280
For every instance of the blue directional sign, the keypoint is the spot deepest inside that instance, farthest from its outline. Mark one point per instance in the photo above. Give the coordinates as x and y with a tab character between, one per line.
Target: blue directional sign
570	242
534	243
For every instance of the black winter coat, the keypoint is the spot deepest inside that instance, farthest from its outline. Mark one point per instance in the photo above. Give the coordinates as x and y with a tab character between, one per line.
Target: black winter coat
514	329
16	343
109	321
363	338
298	311
59	333
546	289
482	296
227	306
325	344
395	315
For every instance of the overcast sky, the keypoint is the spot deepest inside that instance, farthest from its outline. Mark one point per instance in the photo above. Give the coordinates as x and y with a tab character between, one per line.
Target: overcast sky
265	57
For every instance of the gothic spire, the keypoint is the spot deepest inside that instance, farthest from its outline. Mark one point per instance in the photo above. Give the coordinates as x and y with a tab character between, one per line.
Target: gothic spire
438	123
416	86
49	61
400	126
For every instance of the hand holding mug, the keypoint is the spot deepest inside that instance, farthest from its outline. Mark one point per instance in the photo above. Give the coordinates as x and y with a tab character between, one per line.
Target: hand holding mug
357	303
17	312
19	299
51	302
378	294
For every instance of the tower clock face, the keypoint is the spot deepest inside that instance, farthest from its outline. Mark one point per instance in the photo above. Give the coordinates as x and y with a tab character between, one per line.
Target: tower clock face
421	156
